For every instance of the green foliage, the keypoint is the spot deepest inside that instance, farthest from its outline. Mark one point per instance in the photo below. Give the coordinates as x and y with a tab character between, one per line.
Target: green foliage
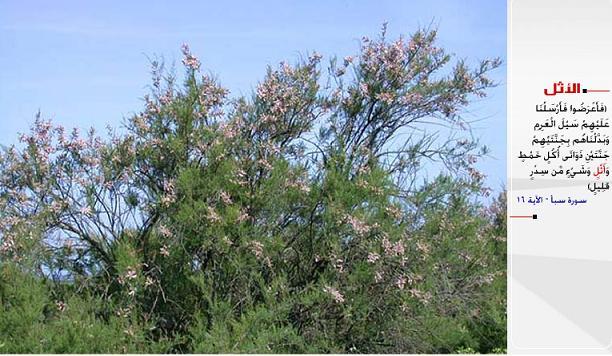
296	220
32	320
262	329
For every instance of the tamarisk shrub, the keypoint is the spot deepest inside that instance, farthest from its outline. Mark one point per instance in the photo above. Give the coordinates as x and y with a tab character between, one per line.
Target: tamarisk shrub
296	219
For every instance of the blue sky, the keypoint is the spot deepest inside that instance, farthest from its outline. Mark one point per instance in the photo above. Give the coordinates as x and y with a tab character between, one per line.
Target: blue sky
84	63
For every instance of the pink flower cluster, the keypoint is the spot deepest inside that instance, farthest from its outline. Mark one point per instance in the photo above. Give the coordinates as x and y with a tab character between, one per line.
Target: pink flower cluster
284	92
394	212
386	97
423	247
257	249
86	210
225	197
131	273
169	194
61	306
393	249
8	244
243	216
338	297
300	185
338	264
229	130
164	251
400	282
189	60
360	227
212	215
164	231
373	257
